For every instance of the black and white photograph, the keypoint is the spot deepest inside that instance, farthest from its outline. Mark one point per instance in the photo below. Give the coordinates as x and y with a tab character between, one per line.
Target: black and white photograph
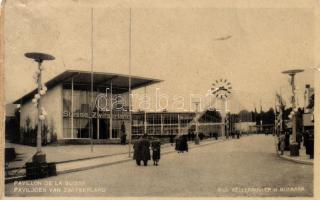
167	99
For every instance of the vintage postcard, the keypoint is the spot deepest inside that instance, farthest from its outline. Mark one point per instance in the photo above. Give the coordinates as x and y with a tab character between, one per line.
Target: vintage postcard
167	99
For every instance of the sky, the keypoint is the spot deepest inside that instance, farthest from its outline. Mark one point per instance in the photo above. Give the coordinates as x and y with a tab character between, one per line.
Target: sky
183	45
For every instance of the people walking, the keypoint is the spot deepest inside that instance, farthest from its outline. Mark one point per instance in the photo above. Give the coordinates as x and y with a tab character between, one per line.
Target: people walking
299	139
238	134
182	144
310	144
123	135
156	151
287	140
171	139
142	150
282	143
305	138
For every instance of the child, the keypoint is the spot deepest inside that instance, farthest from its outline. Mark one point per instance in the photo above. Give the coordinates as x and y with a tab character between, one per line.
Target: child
156	146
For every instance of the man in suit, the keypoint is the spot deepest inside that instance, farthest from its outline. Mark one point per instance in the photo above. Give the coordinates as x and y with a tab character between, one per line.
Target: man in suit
123	134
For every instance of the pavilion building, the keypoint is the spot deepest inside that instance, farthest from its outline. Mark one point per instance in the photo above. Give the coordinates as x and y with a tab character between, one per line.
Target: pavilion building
69	114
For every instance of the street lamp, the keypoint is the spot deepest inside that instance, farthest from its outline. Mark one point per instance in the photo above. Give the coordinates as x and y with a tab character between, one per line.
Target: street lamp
294	148
39	157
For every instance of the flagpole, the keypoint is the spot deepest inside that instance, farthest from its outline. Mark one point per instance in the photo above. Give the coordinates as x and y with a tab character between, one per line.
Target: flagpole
91	107
129	99
145	110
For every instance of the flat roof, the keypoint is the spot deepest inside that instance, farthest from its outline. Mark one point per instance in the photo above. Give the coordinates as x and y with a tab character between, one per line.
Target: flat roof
120	82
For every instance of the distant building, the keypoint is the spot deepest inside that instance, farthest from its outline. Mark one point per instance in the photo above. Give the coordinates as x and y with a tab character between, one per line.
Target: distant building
164	124
246	127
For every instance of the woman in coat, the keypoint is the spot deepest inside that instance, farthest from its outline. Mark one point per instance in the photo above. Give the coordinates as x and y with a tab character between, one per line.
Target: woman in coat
182	144
142	151
156	147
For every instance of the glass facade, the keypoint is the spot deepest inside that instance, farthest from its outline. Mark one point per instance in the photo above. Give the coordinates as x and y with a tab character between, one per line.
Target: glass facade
160	123
77	118
80	112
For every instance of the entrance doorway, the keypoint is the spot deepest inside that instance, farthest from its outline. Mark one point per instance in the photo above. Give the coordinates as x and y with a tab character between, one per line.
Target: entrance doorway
104	128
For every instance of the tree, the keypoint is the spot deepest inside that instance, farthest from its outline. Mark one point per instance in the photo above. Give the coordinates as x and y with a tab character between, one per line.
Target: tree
245	116
268	117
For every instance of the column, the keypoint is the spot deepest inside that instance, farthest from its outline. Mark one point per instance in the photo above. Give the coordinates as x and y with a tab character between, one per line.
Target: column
145	122
111	109
98	120
161	123
179	125
72	89
223	118
145	112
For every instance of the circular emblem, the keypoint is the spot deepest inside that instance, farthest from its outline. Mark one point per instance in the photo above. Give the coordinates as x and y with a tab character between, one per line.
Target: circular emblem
221	88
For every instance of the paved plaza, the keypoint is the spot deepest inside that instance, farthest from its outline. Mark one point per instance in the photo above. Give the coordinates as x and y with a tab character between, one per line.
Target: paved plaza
245	167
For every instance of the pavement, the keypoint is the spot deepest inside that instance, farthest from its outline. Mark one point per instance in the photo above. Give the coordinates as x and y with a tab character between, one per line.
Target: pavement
248	167
303	158
71	158
64	153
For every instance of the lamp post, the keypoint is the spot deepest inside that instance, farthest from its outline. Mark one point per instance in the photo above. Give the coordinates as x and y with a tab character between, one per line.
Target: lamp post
294	148
39	157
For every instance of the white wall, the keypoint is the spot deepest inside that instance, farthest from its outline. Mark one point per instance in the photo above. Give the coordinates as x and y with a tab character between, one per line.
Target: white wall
206	129
52	103
244	126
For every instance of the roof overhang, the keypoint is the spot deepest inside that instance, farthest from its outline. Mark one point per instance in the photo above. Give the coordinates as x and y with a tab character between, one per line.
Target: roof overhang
120	82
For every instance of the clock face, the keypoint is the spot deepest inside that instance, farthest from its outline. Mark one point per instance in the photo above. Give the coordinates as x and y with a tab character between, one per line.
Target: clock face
221	88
